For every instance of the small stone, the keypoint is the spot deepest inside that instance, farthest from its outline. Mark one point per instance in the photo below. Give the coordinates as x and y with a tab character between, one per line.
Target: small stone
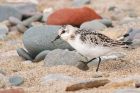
6	11
106	22
22	53
93	25
16	80
62	57
22	27
26	9
12	90
133	35
41	56
127	91
80	2
70	14
56	77
87	84
14	20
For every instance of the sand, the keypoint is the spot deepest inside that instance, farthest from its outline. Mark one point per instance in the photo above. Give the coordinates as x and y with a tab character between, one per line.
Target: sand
115	70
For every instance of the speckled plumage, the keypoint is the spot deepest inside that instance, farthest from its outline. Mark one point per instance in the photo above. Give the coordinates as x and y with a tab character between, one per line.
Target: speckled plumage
89	44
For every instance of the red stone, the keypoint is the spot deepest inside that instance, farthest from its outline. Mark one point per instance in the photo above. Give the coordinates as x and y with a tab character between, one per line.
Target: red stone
12	90
72	16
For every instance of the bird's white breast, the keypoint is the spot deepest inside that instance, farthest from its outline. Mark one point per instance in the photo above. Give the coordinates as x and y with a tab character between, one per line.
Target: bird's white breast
88	50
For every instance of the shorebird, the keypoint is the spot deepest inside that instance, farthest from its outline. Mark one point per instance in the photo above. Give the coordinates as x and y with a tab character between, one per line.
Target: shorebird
92	45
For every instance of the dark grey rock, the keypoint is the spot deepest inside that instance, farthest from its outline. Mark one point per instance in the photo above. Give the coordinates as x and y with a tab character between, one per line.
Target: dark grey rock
41	55
25	55
106	22
127	91
80	2
27	9
16	80
39	38
62	57
8	11
93	25
3	31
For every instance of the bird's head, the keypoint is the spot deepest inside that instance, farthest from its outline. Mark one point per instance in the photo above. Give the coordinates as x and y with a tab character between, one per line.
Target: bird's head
66	32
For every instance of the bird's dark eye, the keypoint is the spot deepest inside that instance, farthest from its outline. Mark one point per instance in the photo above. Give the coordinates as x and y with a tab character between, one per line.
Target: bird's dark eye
63	31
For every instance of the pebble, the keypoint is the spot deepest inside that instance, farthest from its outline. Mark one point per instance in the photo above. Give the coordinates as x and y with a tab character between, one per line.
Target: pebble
14	20
16	80
22	53
12	90
3	31
94	25
56	77
127	91
87	84
133	35
80	2
6	11
62	57
41	55
23	26
70	14
37	39
106	22
26	9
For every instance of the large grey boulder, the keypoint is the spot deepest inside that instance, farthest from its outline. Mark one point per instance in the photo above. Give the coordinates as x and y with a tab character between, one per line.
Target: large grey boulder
38	39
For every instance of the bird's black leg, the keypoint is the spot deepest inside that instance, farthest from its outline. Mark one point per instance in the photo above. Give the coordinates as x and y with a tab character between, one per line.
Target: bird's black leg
98	64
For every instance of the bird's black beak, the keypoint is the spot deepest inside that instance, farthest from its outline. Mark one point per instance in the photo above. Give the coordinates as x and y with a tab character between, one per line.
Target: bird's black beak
58	37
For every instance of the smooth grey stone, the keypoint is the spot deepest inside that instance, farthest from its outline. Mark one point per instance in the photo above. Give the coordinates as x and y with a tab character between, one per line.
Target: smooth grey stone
106	22
62	57
56	77
41	55
27	9
93	25
16	80
127	91
14	20
25	55
8	11
133	35
80	2
39	38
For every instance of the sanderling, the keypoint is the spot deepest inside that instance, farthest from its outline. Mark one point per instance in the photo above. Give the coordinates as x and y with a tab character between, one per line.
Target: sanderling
90	44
